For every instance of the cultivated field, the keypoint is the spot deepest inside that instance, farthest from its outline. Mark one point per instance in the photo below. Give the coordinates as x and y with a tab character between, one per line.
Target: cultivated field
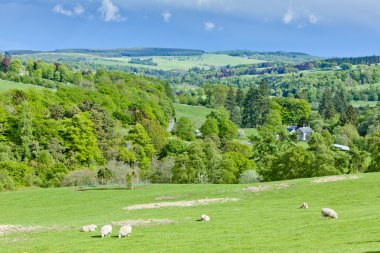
257	218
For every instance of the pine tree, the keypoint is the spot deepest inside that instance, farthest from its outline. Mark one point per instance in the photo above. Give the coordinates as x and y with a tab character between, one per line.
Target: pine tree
230	101
341	103
240	97
326	106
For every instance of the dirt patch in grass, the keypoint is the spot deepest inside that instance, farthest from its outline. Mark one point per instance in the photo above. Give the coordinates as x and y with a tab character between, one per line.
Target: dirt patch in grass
261	188
197	202
143	223
9	229
334	178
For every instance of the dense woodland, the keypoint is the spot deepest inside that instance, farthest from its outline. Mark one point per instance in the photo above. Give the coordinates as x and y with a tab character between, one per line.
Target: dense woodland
109	127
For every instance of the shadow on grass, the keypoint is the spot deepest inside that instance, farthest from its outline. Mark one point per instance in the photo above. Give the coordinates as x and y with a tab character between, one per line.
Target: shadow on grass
362	242
112	236
376	251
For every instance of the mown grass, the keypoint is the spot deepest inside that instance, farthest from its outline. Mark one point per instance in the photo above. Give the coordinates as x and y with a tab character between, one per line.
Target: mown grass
364	103
196	113
267	221
8	85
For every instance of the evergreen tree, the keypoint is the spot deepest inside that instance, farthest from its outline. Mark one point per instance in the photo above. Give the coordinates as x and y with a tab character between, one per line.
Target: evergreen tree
239	97
326	106
230	101
256	106
350	116
341	103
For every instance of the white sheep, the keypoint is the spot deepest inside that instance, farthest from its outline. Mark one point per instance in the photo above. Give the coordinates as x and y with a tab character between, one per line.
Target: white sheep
89	228
304	206
329	213
205	217
106	230
125	230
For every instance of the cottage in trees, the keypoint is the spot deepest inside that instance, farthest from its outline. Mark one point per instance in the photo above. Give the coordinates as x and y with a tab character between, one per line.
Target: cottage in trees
304	133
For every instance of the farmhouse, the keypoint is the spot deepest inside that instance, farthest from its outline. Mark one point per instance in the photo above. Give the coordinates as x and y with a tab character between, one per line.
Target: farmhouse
303	133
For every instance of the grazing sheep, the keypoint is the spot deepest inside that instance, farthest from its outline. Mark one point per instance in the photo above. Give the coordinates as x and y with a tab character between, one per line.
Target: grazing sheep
125	230
205	217
89	228
304	206
106	230
328	212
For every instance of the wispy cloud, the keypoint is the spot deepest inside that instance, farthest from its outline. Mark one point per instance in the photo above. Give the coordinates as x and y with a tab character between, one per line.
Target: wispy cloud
78	10
110	12
289	16
313	19
166	15
209	26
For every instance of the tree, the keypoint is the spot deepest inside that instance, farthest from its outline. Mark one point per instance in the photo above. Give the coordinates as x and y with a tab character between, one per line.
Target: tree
15	66
240	97
184	129
374	149
326	106
230	103
256	105
210	127
350	116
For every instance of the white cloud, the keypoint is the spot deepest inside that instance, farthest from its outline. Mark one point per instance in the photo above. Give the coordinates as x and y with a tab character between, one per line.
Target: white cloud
209	26
78	10
110	12
313	19
166	15
289	16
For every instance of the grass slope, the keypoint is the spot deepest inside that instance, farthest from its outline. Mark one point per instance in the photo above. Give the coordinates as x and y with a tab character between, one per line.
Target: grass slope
8	85
267	221
196	113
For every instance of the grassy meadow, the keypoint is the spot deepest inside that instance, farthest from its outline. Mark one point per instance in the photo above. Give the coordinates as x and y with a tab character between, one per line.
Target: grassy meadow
262	221
166	63
196	113
364	103
8	85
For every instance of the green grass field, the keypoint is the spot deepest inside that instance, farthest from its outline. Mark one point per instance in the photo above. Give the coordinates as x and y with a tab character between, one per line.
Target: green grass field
8	85
167	63
196	113
265	221
364	103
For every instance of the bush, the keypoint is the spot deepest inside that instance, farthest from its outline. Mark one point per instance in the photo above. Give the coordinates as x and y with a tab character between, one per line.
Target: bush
79	178
6	181
249	176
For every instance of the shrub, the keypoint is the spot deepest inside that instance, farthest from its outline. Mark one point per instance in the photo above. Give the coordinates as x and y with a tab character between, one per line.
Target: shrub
79	178
249	176
6	181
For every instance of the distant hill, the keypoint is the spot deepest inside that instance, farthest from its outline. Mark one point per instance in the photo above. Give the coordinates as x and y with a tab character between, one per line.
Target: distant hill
122	52
270	56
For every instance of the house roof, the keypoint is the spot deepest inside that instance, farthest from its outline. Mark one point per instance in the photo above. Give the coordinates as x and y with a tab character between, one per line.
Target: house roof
306	130
342	147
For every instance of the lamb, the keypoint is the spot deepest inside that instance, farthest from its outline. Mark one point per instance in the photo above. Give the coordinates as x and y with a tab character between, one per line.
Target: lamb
89	228
106	230
205	217
125	230
328	212
304	206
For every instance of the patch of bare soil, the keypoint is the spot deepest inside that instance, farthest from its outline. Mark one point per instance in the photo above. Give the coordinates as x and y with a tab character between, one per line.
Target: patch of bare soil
261	188
180	203
333	178
9	229
143	223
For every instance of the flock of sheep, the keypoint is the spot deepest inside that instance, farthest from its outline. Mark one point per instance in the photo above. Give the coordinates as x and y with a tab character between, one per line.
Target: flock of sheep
124	231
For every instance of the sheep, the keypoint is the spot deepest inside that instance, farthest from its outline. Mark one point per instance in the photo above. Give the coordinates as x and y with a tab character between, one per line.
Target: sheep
328	212
125	230
205	217
89	228
304	206
106	230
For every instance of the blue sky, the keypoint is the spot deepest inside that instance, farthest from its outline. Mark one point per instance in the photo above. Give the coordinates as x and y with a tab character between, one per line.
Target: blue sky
323	27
